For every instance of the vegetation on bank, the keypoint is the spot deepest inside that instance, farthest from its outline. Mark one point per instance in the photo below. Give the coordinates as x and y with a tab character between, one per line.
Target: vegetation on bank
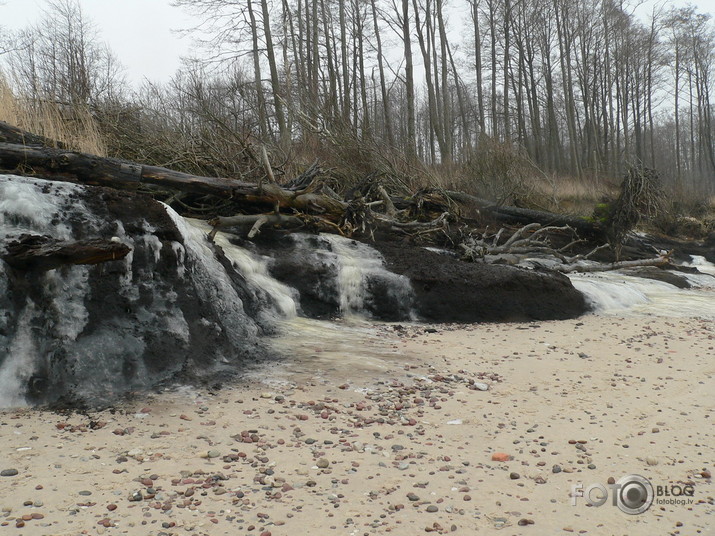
541	104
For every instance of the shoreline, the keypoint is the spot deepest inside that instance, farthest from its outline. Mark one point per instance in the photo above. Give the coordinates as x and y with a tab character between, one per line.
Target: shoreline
403	445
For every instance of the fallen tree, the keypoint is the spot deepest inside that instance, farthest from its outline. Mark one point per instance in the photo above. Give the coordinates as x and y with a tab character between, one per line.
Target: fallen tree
309	202
43	253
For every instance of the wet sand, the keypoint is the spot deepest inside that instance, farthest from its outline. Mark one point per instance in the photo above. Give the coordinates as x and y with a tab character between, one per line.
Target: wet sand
401	442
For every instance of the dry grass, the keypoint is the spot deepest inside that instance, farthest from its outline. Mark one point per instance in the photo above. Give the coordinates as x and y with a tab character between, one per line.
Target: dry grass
75	126
576	196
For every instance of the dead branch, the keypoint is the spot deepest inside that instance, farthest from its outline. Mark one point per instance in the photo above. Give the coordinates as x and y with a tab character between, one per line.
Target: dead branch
39	252
662	260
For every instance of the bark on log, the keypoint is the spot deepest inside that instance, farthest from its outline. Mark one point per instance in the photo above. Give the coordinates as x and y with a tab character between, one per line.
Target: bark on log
68	166
25	154
525	216
11	134
43	253
256	221
662	260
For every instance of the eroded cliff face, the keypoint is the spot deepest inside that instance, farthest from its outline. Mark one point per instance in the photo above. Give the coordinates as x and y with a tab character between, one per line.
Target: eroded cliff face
179	307
173	306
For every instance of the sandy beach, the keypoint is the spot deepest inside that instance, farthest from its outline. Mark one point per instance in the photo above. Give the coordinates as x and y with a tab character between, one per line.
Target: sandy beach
402	442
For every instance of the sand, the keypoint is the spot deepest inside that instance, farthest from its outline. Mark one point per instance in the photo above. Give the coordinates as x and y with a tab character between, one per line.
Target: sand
400	444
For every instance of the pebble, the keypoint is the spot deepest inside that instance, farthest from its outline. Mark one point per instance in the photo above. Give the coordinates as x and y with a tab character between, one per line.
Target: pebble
501	457
432	508
323	463
556	469
706	474
8	472
524	522
213	454
514	476
651	461
85	493
413	497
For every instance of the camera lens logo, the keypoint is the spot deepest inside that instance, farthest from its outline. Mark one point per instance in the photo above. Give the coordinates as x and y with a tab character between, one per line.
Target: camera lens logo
634	494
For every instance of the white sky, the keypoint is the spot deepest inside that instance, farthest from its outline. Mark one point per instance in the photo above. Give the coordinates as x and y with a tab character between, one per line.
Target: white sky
142	32
139	32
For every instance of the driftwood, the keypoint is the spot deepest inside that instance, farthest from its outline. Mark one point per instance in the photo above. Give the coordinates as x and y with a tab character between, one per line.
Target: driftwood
255	221
62	165
42	253
308	201
525	216
532	239
661	260
11	134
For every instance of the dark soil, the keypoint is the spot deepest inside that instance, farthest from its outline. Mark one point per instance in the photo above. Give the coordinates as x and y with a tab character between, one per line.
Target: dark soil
449	290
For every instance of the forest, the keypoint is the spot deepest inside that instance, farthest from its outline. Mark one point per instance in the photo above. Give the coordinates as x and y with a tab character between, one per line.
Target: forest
517	102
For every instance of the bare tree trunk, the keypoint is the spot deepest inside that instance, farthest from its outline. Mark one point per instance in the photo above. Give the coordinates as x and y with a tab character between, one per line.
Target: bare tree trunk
478	64
284	134
383	85
431	94
507	36
260	97
446	97
409	79
493	49
344	61
359	25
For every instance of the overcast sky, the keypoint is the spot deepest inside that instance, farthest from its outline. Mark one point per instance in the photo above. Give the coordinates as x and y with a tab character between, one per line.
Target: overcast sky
139	32
142	32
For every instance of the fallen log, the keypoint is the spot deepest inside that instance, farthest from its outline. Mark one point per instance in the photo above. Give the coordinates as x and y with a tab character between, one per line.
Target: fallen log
661	260
255	221
524	216
68	166
43	253
11	134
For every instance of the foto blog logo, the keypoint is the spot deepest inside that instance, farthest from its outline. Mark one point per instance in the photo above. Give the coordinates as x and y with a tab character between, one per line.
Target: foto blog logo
632	494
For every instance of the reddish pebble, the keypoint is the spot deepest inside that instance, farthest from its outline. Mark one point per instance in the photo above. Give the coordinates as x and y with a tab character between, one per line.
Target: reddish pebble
19	523
266	533
38	516
706	474
467	498
111	507
501	457
184	417
302	417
